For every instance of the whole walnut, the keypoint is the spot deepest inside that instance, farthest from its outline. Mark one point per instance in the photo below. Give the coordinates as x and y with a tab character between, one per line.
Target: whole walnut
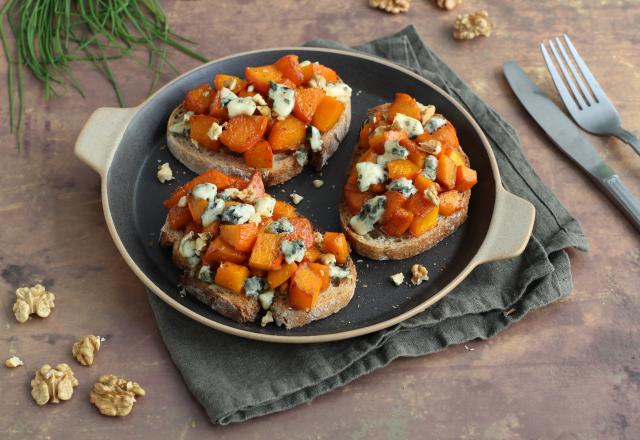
84	350
115	396
391	6
470	26
31	300
53	384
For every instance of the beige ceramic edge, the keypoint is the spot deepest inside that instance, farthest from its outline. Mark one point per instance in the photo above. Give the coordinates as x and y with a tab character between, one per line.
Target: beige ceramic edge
509	230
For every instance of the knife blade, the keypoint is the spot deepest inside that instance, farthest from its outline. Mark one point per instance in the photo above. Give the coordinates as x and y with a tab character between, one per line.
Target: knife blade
567	136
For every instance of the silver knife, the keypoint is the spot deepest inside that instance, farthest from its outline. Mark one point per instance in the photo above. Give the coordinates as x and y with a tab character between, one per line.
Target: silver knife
566	135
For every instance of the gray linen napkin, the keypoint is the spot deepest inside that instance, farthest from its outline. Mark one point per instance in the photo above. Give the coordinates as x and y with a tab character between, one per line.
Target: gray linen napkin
213	364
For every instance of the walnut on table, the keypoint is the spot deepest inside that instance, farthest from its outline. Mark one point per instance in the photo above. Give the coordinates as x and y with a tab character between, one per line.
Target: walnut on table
53	384
31	300
84	350
391	6
468	26
13	362
115	396
448	4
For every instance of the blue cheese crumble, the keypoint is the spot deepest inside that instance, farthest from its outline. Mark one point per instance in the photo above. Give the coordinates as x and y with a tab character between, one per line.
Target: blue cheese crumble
409	125
226	96
253	286
301	157
229	194
403	186
283	99
430	167
369	174
293	250
434	123
266	299
392	151
238	214
205	191
280	226
205	274
370	213
314	138
241	106
264	206
213	211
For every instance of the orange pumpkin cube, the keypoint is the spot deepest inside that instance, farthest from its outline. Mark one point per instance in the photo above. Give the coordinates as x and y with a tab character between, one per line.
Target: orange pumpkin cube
219	251
415	155
399	223
304	288
283	209
336	243
354	199
287	134
277	277
450	202
261	76
327	114
377	140
289	67
421	182
243	132
425	221
217	110
402	168
266	254
260	155
199	132
446	172
199	99
306	103
312	254
324	272
197	207
241	237
231	276
302	230
178	217
466	178
405	104
419	204
222	181
227	81
395	201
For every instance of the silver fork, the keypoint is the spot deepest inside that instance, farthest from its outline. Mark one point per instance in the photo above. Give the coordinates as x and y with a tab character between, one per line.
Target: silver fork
589	106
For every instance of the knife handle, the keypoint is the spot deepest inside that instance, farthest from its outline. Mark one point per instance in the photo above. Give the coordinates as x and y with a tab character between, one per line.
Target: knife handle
623	198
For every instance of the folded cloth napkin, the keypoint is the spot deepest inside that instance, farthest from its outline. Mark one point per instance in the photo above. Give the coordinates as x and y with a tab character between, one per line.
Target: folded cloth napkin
214	364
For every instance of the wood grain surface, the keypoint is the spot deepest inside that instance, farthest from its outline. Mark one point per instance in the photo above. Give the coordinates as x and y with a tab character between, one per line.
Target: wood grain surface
570	371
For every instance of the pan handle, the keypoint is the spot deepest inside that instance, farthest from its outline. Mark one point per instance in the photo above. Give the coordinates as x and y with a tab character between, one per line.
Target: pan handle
100	136
510	228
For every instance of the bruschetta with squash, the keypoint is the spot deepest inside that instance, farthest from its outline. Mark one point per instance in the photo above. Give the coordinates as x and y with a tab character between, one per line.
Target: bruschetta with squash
275	119
246	254
410	182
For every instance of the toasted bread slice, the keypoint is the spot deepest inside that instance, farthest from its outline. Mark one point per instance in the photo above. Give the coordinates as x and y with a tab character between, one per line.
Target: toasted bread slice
242	308
285	166
329	302
378	246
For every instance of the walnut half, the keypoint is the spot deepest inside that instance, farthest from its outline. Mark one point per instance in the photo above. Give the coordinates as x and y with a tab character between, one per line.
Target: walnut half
419	273
115	396
31	300
84	350
470	26
53	384
448	4
391	6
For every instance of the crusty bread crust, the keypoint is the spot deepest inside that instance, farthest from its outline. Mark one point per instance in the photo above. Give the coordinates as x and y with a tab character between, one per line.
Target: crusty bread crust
329	302
377	246
285	166
242	308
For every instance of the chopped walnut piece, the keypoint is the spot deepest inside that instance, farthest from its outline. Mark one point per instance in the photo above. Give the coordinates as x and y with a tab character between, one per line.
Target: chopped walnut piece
53	384
31	300
266	319
391	6
470	26
419	273
115	396
13	362
397	279
448	4
431	193
432	146
84	350
426	113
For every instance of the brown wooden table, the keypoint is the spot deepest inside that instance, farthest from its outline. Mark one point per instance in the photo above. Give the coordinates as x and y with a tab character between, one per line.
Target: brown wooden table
570	371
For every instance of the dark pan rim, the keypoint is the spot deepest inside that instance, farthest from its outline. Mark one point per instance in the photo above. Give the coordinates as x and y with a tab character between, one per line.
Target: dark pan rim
481	256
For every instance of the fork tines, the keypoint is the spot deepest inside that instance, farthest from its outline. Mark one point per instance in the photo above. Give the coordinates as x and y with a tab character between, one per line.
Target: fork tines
582	95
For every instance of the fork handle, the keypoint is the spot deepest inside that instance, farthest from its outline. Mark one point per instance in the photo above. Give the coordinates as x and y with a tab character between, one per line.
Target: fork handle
623	198
628	138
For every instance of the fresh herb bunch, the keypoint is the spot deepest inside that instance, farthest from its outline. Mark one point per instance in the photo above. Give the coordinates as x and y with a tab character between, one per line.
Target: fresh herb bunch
48	35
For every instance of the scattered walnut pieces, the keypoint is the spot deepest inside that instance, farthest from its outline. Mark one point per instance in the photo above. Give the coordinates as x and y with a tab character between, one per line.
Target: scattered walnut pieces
397	279
468	26
115	396
266	319
419	273
317	183
13	362
391	6
84	350
165	173
53	384
448	4
296	198
33	300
